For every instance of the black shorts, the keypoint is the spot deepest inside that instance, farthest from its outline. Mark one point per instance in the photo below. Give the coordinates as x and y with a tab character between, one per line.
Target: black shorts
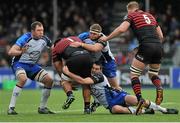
80	64
150	53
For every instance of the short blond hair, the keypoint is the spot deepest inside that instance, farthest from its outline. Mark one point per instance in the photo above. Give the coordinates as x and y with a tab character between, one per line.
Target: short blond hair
96	28
132	5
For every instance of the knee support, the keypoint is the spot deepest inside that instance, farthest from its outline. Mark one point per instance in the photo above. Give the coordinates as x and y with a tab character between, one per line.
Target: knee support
153	71
41	75
20	71
135	71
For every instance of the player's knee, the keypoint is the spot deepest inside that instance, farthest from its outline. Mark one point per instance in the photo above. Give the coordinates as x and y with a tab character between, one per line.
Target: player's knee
41	75
117	110
153	72
135	72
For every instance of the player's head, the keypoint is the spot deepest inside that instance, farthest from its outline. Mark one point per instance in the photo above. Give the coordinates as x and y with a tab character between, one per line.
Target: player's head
132	6
95	31
37	29
97	68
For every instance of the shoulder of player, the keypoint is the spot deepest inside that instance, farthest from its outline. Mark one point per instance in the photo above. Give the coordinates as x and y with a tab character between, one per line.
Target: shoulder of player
102	43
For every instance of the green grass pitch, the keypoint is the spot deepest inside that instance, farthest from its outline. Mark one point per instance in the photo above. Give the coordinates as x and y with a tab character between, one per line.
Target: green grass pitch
28	103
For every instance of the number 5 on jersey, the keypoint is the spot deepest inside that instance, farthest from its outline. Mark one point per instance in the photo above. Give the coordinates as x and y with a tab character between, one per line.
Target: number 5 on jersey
146	18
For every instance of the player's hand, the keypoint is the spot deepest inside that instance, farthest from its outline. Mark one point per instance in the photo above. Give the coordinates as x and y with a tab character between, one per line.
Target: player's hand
24	49
103	38
75	44
65	70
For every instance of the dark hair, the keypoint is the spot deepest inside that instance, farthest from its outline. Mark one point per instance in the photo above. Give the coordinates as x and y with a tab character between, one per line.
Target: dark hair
34	24
98	63
56	41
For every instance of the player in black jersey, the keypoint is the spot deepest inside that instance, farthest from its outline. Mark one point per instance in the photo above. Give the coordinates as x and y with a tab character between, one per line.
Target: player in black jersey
150	37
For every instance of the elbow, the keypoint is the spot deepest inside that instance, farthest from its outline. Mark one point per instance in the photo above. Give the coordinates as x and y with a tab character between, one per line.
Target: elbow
10	53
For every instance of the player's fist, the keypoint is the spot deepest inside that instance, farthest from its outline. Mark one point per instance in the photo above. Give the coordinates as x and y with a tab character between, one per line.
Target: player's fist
65	70
103	38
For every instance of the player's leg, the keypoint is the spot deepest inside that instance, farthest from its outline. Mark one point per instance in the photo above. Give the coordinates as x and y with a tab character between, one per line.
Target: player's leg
66	83
87	98
109	70
136	69
114	83
153	75
22	78
155	107
43	77
117	109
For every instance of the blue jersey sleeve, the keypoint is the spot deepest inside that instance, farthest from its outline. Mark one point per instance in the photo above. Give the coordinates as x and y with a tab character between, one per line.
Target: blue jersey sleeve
22	40
49	42
83	35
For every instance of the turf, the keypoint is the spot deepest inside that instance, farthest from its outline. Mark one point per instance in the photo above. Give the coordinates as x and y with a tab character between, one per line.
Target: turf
28	103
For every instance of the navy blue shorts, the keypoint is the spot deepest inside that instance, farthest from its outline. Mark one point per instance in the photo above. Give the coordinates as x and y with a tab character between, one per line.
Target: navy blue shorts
31	69
109	69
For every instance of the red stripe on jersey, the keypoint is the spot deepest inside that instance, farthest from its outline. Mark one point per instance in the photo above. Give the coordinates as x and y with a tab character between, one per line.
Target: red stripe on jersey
141	19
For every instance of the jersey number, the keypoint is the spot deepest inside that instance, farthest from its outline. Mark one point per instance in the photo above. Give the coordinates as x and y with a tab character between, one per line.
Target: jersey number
147	20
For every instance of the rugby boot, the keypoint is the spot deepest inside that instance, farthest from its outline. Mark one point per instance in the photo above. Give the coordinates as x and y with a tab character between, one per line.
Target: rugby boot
11	111
68	102
94	106
140	106
159	96
171	111
87	111
45	111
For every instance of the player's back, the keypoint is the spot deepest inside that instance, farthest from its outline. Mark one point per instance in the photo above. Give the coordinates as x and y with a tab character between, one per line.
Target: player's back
98	91
144	26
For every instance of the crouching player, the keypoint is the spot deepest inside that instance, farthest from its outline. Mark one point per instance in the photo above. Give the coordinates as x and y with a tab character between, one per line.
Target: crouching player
118	102
26	52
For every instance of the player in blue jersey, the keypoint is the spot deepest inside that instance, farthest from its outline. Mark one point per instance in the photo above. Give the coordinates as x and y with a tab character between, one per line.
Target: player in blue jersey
118	102
108	62
26	53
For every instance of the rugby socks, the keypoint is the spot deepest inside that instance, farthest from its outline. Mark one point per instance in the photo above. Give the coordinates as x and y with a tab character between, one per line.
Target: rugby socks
136	85
69	93
156	81
86	105
157	107
16	91
44	98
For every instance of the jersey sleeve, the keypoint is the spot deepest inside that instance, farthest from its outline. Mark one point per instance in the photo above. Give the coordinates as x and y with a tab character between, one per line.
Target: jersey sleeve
84	35
128	18
56	56
97	78
102	42
49	42
22	40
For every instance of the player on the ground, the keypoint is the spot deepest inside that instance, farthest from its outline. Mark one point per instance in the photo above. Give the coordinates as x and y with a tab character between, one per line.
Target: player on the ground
149	52
118	102
93	45
26	52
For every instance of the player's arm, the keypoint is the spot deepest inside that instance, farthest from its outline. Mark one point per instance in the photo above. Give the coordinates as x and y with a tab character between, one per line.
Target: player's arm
77	78
16	50
94	79
123	27
94	48
160	34
58	65
57	61
20	46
